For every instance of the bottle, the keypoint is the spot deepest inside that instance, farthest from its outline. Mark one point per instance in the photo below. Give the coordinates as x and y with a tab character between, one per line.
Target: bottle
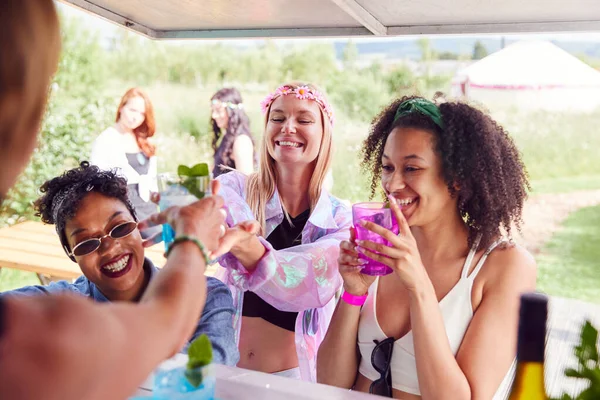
529	378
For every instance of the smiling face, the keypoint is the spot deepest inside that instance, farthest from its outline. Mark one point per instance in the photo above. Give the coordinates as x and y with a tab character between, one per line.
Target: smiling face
133	113
412	173
294	131
218	112
116	267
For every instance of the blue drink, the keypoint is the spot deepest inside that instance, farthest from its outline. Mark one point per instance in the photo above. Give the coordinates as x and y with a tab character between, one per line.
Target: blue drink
175	191
172	384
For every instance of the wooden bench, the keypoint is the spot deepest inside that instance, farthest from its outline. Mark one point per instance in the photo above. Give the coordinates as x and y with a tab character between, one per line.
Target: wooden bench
34	247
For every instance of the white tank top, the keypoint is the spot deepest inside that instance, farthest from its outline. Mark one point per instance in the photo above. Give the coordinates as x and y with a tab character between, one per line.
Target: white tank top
457	311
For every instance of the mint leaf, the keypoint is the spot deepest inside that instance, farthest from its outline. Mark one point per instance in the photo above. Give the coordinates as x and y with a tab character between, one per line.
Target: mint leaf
200	170
191	184
188	176
199	352
194	377
197	170
199	355
183	170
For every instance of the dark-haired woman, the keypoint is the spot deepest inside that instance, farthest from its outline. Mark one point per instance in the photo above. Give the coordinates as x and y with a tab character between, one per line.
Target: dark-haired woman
444	323
97	227
232	141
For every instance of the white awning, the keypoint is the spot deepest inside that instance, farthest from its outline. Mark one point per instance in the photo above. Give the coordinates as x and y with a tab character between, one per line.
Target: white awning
218	19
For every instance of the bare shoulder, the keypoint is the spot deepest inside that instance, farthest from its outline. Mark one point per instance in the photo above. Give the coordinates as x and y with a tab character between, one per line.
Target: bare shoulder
243	142
510	265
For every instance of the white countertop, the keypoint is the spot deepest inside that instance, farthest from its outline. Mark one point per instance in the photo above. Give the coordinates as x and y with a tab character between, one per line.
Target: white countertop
237	384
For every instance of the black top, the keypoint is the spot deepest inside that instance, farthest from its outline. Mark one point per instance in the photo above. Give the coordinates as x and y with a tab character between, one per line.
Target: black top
285	235
141	164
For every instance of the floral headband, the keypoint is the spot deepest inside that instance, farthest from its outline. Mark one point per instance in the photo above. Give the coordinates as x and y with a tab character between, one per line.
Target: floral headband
228	104
302	93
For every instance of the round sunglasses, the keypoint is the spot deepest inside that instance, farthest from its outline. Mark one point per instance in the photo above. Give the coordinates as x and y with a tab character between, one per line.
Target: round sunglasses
90	245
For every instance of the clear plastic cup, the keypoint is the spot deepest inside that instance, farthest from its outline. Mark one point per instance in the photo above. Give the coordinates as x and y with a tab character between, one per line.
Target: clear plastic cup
380	214
170	382
179	191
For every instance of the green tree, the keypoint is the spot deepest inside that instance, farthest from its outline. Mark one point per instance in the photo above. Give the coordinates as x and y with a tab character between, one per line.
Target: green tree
83	62
350	55
75	114
448	55
428	55
401	81
479	51
427	52
357	94
313	63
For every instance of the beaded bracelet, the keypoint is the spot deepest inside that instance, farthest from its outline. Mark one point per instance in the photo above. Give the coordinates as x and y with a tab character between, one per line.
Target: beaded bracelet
186	238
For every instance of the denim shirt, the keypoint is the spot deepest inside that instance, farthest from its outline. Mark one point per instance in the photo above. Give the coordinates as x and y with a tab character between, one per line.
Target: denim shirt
302	279
215	322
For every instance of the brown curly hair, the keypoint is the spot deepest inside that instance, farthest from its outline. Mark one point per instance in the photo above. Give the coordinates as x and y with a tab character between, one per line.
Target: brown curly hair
81	181
480	164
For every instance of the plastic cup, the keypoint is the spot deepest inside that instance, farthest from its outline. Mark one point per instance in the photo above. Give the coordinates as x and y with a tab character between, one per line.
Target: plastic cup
179	191
380	214
170	382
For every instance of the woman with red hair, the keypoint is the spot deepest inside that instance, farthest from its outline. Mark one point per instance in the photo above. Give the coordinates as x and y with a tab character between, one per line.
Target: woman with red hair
125	146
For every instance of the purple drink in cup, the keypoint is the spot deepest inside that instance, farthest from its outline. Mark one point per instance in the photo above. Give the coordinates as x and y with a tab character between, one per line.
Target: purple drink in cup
380	214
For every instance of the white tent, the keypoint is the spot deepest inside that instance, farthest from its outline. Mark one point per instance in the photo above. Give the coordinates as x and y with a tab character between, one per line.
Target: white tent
531	75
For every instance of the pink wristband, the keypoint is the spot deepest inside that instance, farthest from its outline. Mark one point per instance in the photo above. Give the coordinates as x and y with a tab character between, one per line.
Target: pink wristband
354	300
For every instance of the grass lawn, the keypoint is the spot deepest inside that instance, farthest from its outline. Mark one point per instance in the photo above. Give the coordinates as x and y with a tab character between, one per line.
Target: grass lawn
569	264
565	184
13	279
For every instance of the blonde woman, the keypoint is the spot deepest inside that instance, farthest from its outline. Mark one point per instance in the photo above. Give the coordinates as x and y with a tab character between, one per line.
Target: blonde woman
282	271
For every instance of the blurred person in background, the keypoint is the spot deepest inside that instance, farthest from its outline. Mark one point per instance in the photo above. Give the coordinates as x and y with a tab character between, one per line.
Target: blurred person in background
232	143
126	146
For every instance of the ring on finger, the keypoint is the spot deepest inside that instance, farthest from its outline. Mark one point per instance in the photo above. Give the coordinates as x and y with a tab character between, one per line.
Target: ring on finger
222	231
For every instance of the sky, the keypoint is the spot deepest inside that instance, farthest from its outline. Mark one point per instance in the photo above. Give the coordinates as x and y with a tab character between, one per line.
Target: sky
107	28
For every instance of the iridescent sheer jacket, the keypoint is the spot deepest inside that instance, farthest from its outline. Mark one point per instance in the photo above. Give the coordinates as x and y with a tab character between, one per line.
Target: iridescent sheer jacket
302	278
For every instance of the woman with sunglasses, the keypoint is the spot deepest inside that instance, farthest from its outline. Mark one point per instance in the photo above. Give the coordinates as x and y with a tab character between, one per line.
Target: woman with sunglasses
443	323
64	346
98	229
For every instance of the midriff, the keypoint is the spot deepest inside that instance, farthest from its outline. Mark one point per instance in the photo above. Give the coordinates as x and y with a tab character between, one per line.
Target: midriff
266	347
